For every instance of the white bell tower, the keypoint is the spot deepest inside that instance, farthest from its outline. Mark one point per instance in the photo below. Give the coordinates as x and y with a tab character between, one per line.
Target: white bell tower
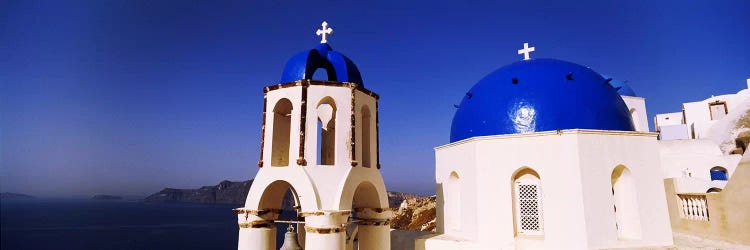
319	141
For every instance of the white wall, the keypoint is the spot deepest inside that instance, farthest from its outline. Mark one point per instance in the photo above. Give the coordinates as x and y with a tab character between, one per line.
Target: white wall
575	171
699	156
639	114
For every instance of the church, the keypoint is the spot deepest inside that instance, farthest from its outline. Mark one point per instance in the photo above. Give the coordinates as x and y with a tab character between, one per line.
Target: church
543	154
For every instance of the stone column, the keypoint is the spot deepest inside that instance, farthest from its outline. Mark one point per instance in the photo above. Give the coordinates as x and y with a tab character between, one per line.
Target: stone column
257	229
374	228
325	230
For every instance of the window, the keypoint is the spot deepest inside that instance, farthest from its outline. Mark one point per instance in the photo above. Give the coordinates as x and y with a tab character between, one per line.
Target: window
627	218
453	202
282	125
527	201
366	147
718	174
718	110
326	131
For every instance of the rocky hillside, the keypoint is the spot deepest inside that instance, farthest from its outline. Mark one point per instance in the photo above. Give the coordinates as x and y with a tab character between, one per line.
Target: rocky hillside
226	192
230	192
417	213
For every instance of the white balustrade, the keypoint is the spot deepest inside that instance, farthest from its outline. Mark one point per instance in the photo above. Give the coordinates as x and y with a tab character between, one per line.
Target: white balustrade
694	206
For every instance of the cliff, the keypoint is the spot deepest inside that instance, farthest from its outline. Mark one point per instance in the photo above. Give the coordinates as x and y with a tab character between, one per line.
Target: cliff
6	195
417	213
226	192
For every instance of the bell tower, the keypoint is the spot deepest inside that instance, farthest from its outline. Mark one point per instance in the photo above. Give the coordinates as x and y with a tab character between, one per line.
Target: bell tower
319	142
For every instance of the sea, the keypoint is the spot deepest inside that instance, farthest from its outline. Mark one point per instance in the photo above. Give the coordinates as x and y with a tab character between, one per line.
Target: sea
96	224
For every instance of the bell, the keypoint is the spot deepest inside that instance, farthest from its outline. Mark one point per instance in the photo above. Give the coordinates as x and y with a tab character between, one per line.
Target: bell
290	240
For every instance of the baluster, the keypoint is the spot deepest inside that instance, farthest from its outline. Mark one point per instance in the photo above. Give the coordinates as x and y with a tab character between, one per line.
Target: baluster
683	202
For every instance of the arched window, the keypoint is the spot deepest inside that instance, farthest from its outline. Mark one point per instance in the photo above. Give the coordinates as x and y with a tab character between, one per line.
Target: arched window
453	201
326	131
366	147
627	218
527	203
719	174
713	190
282	124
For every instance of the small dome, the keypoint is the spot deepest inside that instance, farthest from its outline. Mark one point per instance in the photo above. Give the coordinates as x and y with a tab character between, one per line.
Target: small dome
621	86
539	95
339	67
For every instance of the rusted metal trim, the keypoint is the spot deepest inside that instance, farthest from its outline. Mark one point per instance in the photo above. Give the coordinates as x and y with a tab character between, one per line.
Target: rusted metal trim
324	230
374	209
257	224
302	126
364	222
257	212
353	135
263	130
307	82
377	134
319	213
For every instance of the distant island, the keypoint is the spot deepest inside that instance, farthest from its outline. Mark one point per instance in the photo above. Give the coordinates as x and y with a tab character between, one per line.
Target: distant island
235	192
6	195
106	197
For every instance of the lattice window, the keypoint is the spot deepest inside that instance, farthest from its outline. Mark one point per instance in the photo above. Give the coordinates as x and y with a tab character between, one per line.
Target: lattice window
529	218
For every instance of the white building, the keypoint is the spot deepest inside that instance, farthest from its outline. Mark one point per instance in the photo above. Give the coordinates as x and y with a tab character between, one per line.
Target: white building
320	143
689	147
544	154
697	118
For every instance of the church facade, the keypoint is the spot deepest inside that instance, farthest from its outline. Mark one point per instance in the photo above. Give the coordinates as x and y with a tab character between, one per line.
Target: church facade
544	154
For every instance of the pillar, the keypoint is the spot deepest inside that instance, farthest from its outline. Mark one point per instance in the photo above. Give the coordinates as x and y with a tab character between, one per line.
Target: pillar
257	229
325	230
374	228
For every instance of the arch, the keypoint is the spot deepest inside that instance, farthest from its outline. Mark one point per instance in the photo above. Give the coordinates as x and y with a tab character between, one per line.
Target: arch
528	202
453	201
713	190
326	129
323	74
366	196
359	185
719	173
268	193
634	116
282	125
627	218
366	141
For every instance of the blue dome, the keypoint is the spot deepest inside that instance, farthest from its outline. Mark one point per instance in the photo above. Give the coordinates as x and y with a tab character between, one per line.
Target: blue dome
339	67
539	95
621	86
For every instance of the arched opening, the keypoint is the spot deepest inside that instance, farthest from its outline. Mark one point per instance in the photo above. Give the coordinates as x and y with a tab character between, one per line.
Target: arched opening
320	74
719	174
528	203
368	233
326	131
280	195
634	117
366	147
453	201
627	218
282	125
713	190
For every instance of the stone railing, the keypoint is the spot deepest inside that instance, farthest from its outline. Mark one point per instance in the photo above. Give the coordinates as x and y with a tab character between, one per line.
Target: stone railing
693	206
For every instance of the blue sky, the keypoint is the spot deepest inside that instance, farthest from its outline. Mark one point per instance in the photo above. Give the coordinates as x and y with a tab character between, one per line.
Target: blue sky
128	97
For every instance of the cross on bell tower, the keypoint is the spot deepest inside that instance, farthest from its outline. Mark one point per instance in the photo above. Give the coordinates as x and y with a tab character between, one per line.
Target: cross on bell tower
323	33
526	51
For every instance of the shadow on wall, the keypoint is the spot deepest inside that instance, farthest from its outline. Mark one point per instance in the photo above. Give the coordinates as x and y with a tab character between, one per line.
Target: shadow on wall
722	215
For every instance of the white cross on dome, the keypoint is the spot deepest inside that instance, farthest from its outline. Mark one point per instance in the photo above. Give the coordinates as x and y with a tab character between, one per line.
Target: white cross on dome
526	51
323	33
